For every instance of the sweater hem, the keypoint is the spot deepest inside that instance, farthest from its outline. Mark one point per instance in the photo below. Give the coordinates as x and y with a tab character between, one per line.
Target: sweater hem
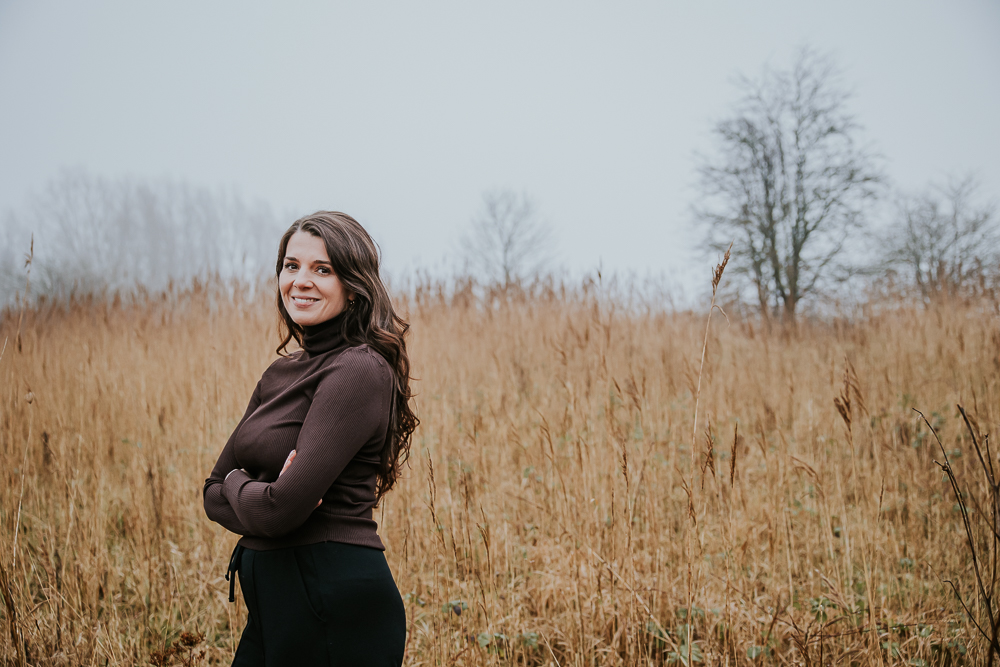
342	530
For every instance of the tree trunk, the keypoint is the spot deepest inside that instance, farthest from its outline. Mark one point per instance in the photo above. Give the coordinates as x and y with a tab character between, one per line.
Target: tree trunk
788	314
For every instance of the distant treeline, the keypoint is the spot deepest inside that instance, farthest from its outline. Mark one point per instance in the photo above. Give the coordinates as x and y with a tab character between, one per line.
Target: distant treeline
88	235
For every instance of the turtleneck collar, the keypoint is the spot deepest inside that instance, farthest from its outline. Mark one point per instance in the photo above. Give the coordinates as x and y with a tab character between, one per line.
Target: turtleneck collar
324	336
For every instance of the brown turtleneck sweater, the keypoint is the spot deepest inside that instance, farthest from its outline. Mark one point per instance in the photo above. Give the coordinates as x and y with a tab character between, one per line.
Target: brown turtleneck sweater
330	403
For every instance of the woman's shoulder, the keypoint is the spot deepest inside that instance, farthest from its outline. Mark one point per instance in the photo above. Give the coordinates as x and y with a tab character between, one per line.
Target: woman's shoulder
284	360
358	359
359	370
364	357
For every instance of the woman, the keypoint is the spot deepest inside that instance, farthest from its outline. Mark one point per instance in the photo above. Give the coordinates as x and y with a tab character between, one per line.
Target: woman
320	444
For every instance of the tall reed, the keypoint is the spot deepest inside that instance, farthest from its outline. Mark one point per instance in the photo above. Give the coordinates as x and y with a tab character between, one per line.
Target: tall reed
552	489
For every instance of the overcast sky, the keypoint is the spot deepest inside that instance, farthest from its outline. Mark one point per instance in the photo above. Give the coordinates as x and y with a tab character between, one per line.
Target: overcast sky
402	114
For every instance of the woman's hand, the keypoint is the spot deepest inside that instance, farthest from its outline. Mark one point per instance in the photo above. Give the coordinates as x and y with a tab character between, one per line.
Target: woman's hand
288	462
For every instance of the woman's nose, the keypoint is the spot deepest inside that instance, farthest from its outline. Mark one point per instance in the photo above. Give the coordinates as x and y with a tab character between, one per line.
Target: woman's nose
302	281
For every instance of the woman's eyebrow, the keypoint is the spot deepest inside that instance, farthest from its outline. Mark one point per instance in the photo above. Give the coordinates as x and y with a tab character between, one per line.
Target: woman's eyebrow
289	258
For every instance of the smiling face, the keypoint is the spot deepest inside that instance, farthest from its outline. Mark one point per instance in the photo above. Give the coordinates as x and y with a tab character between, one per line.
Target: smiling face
310	290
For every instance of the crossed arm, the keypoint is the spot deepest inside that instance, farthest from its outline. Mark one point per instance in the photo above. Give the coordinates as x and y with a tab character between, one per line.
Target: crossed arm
217	507
349	407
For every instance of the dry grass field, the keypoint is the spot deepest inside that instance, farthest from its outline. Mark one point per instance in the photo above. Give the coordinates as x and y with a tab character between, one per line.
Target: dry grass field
560	508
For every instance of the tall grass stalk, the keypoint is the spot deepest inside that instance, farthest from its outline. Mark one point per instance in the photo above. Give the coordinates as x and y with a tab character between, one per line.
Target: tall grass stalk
551	514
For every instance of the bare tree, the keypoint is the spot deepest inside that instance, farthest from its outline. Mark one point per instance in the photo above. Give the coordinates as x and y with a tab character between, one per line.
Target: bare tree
97	235
789	182
508	241
944	238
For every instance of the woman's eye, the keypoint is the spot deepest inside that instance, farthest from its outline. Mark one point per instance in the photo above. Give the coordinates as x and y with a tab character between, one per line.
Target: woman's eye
323	271
290	266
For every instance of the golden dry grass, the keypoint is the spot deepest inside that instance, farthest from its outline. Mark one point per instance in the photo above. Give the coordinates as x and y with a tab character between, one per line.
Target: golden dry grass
555	497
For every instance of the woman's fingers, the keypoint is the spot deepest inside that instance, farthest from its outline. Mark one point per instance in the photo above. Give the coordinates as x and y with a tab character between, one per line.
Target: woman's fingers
319	503
288	462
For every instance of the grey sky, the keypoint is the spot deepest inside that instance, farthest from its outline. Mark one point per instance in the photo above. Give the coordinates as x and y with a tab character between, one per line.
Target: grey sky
403	113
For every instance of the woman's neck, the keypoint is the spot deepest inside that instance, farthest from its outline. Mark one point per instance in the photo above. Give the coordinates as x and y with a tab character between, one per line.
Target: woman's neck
323	337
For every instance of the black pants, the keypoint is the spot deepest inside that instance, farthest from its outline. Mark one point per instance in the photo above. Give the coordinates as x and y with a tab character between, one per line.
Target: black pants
320	604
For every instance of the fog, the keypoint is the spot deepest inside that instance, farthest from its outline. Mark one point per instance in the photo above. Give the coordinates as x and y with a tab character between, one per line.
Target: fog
403	115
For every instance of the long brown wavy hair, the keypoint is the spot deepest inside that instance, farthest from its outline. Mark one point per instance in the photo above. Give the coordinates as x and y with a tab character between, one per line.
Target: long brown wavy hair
371	320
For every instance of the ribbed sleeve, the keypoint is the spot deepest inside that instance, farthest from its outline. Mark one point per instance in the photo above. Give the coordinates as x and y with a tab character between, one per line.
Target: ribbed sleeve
217	507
